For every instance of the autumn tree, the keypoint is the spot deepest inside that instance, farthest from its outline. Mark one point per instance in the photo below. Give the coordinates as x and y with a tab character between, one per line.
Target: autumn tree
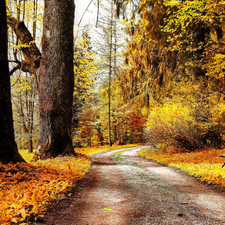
175	47
23	85
8	147
85	67
56	80
106	119
196	32
150	66
109	44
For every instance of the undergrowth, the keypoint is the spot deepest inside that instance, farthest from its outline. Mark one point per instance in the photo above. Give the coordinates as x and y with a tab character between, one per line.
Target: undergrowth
205	165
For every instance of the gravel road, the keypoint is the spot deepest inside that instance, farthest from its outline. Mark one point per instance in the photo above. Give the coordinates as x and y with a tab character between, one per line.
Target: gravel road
124	188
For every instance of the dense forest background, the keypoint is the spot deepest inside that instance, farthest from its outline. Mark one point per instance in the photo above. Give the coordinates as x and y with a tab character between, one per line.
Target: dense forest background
145	71
136	72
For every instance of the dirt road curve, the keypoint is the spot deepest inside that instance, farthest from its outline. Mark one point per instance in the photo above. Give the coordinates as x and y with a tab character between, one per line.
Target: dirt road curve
126	189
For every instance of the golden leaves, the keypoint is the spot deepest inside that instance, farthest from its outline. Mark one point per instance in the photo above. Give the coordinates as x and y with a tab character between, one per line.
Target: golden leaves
85	64
205	165
27	189
91	150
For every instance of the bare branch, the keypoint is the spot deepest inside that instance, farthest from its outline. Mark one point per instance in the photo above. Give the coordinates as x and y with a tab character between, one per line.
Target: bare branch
15	69
85	12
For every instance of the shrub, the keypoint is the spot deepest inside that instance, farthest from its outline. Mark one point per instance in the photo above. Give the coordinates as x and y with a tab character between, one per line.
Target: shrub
190	122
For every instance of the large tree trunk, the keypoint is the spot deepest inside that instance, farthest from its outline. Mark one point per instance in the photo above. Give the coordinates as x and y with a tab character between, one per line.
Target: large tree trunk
8	147
56	80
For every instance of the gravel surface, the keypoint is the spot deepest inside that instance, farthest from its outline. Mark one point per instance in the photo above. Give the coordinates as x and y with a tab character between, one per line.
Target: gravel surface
126	189
167	196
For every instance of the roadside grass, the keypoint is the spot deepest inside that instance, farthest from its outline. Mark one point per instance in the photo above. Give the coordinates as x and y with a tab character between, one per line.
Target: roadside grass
205	165
91	150
119	152
135	164
117	158
117	155
85	151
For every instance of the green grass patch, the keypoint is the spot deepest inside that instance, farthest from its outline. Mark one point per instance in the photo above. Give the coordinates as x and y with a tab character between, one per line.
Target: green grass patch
135	164
116	158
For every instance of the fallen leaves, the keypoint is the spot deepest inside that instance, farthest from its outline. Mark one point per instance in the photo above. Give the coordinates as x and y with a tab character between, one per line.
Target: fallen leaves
107	209
205	165
27	189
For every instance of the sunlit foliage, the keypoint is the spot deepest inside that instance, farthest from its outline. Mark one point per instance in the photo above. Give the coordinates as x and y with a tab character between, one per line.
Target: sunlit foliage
91	150
189	120
205	165
23	85
27	189
195	30
85	63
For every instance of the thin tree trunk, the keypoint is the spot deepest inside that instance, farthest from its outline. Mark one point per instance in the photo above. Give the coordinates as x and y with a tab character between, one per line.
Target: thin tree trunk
56	80
24	8
110	74
35	18
8	147
30	143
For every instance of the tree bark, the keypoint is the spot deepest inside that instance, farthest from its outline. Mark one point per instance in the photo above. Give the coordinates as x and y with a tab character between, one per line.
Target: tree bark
56	80
8	147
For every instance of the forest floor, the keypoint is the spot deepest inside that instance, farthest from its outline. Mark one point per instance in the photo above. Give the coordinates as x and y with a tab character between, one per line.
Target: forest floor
123	188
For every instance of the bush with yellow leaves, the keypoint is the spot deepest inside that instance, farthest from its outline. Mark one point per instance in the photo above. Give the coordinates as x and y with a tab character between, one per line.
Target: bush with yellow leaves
192	119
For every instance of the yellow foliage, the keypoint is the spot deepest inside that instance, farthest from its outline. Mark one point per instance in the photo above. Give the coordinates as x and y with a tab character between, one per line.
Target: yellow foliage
85	65
26	155
27	189
205	164
190	118
91	150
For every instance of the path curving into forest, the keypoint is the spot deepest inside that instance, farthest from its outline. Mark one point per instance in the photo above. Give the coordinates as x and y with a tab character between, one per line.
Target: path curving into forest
126	189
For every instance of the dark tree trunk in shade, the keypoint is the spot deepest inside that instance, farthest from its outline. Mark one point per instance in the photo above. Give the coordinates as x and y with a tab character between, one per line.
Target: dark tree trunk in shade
8	147
56	80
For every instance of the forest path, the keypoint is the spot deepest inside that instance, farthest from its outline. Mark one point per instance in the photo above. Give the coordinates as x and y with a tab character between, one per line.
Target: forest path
125	189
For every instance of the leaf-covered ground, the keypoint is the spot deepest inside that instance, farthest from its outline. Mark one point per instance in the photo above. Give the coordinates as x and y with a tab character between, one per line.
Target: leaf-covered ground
205	165
91	150
26	190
